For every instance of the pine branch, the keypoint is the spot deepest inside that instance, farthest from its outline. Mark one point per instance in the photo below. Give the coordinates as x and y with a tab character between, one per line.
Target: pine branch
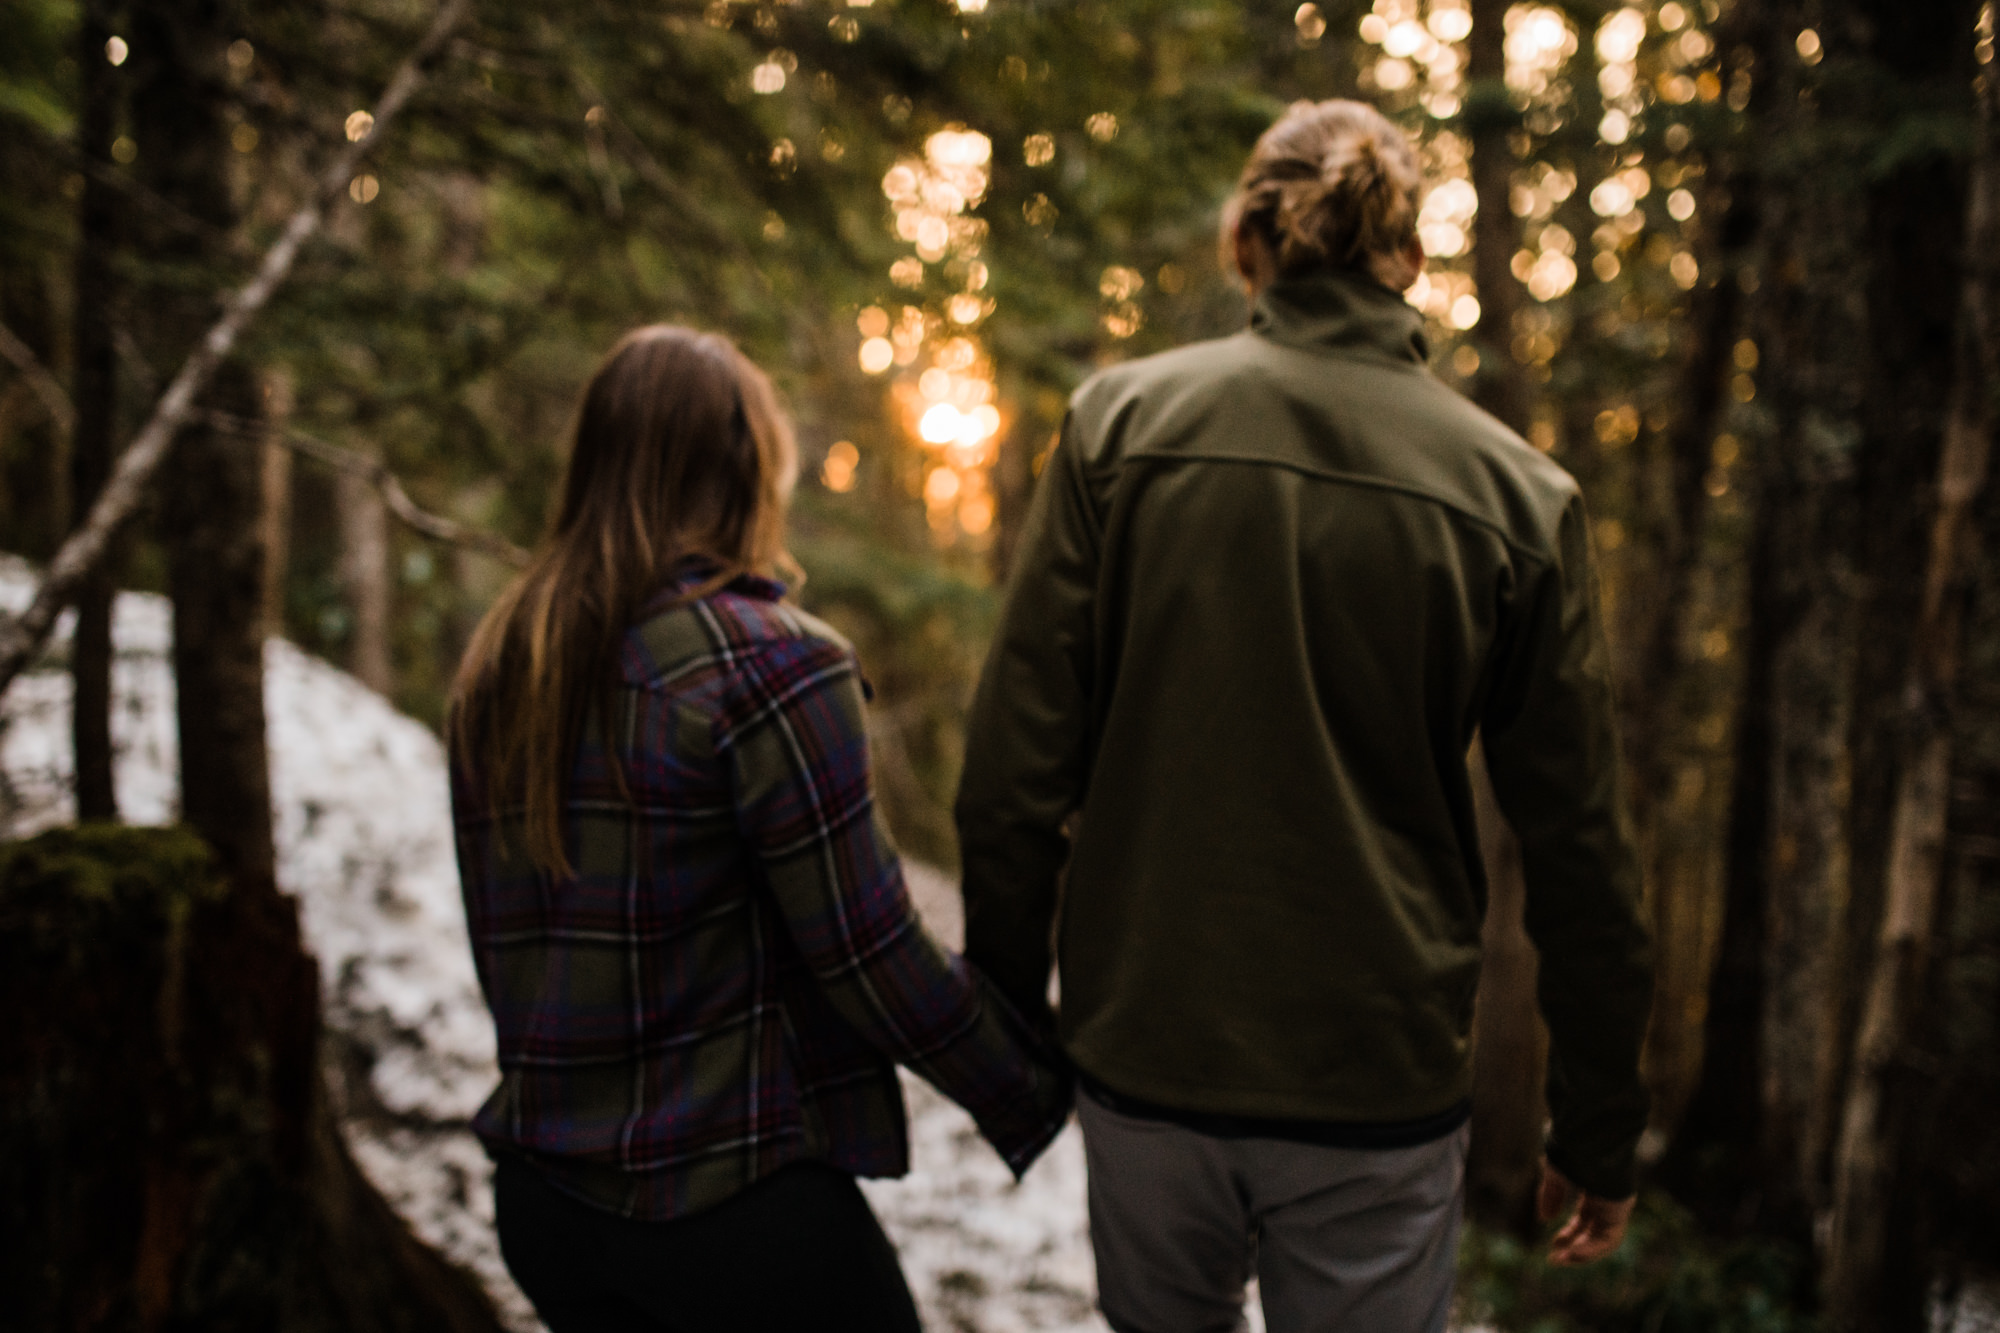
21	637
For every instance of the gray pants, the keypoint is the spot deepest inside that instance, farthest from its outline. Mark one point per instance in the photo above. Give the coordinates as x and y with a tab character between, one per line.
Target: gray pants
1342	1240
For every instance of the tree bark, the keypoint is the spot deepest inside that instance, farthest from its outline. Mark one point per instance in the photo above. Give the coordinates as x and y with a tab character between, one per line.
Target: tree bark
1916	213
94	399
1500	388
1813	330
1724	1160
1684	875
277	500
1730	214
1716	1161
1737	1157
365	578
211	516
168	1159
1867	1292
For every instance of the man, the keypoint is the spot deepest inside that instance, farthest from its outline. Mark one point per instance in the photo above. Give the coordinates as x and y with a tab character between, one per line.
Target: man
1270	588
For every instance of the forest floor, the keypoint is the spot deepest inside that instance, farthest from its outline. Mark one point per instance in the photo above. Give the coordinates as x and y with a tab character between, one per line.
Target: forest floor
364	839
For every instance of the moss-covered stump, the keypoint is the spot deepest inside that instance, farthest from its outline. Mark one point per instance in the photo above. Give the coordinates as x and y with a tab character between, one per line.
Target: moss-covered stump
167	1158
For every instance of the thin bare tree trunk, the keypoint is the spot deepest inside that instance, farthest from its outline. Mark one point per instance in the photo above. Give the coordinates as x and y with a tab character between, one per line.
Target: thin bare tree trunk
1500	388
22	637
277	502
1866	1163
1715	1163
365	579
95	402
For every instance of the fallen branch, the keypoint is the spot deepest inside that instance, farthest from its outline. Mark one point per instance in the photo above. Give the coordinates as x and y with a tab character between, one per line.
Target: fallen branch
54	400
386	483
22	637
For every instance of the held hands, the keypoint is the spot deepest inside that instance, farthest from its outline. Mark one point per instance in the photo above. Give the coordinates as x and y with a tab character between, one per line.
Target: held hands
1594	1230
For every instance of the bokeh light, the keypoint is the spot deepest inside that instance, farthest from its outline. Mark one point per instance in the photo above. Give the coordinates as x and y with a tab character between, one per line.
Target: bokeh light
837	472
948	407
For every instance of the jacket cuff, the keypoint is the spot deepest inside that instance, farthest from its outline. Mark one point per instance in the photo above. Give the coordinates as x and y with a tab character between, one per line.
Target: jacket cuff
1604	1175
1022	1127
1021	1132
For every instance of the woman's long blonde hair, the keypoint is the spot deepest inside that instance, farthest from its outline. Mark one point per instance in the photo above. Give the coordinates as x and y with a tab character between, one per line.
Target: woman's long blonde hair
681	451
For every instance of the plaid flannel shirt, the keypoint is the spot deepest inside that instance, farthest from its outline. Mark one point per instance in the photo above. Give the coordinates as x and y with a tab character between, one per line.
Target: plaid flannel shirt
728	980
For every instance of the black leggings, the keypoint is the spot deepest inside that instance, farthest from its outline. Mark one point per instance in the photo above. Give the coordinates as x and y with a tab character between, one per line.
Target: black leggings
799	1249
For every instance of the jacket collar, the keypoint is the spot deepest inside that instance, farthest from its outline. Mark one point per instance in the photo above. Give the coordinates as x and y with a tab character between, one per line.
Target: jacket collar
1341	308
690	572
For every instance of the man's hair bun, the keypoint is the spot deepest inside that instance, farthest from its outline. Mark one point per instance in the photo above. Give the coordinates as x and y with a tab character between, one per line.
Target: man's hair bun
1331	183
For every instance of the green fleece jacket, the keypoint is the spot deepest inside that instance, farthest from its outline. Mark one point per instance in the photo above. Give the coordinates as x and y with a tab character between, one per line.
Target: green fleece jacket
1269	590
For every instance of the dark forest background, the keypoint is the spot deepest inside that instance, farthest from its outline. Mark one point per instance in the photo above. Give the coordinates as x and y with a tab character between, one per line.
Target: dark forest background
1734	263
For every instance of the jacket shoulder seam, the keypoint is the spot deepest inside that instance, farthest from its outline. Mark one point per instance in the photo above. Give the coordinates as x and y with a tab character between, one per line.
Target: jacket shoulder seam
1479	520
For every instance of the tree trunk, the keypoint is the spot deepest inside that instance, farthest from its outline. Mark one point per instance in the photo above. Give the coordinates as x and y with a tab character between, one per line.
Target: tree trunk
211	515
1915	217
1734	1157
277	503
365	578
168	1160
1501	388
1715	1164
1730	226
1812	329
1737	1156
1884	1093
94	397
1670	775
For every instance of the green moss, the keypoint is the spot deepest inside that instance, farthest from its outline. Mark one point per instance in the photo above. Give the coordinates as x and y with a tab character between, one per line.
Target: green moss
72	883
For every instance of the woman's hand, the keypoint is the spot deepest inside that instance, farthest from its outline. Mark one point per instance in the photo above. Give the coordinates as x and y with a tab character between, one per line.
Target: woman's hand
1595	1229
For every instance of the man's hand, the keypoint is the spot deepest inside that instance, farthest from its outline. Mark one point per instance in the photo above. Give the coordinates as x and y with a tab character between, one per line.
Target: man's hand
1594	1230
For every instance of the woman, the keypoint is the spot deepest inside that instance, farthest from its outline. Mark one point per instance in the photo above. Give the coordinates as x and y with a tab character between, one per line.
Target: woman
1269	588
689	921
